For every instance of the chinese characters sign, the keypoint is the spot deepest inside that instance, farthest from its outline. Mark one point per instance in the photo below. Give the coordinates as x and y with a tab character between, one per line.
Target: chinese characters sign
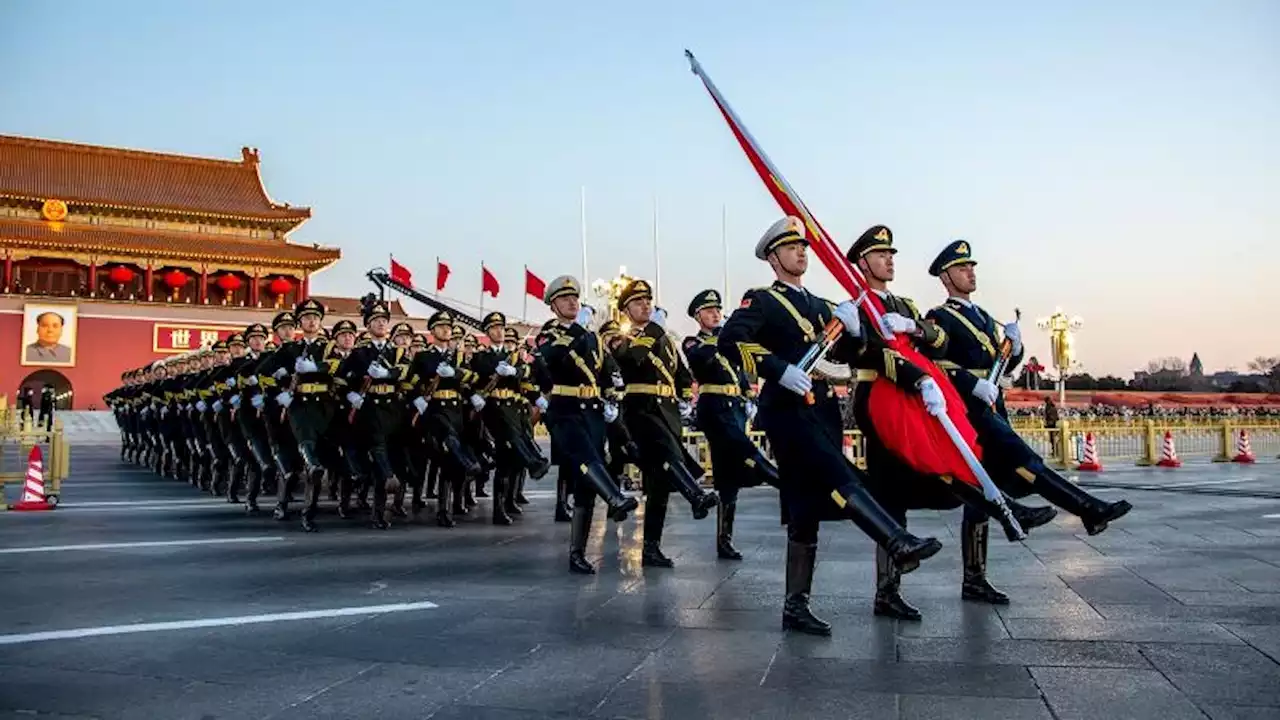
176	338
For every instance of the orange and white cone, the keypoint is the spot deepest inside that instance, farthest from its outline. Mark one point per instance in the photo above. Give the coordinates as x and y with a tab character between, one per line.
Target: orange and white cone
848	447
1090	462
1168	454
1244	453
33	489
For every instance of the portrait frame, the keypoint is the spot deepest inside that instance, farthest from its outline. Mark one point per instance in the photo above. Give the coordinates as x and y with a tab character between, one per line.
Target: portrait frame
65	344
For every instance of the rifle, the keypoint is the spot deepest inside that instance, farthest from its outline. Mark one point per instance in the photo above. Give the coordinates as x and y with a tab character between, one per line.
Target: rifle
1006	351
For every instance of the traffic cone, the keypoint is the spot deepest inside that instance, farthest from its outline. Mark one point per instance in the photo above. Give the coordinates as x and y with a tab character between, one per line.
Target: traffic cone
1090	462
848	447
1244	453
33	490
1168	455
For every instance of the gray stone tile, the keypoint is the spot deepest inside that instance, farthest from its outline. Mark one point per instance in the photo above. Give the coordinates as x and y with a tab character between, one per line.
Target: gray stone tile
1059	653
561	678
1243	598
642	698
798	674
877	641
387	691
1091	693
1232	712
1234	615
1266	638
1222	674
712	656
1120	630
934	707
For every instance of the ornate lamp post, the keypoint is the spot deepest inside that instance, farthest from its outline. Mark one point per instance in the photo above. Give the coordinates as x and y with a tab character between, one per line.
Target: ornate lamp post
608	291
1061	347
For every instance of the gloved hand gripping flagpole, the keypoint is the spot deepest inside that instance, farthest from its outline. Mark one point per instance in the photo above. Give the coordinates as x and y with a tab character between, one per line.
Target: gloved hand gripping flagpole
848	277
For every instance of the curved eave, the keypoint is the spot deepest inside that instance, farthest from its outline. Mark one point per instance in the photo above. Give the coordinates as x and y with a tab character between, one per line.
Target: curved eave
292	217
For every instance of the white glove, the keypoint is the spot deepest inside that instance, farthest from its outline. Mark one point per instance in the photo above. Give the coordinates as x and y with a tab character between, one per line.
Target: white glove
284	398
477	402
899	325
506	370
584	317
659	317
377	371
618	382
610	412
847	313
251	380
751	411
304	364
686	410
985	391
279	373
164	410
356	399
231	381
934	401
445	370
257	401
541	402
421	404
200	406
796	380
1014	333
235	401
217	406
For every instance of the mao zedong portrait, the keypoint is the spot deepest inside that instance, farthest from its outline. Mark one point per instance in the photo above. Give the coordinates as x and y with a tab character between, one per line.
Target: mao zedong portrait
48	347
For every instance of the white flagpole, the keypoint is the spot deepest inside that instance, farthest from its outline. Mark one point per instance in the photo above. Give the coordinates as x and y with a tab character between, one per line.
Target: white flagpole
586	279
657	260
724	243
525	315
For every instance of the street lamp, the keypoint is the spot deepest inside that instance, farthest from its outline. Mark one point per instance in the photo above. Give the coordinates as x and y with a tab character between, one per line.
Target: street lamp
608	292
1061	345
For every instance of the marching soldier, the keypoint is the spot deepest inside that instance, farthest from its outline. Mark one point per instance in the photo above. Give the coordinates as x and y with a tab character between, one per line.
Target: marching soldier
252	425
341	434
896	484
726	403
532	405
1015	467
221	465
658	390
372	373
575	377
305	399
499	374
767	335
622	449
284	446
224	384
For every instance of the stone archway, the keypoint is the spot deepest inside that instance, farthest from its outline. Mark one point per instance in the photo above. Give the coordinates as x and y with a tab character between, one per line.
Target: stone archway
62	389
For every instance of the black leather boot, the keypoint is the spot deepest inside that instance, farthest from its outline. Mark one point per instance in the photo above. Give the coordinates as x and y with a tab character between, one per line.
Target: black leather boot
500	480
796	616
520	498
724	531
508	498
562	499
906	550
235	471
1030	517
700	501
443	516
579	531
433	478
999	511
889	602
618	503
468	461
655	520
480	491
1093	512
973	549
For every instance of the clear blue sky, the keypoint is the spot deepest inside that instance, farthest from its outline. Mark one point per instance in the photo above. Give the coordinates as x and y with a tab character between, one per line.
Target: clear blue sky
1120	159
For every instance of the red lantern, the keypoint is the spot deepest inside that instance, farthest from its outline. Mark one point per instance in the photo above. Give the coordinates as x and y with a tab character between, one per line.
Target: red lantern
229	283
280	286
175	279
120	275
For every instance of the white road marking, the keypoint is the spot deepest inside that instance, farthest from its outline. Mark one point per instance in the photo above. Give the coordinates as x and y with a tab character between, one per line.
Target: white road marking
1272	516
1197	483
212	622
128	545
130	503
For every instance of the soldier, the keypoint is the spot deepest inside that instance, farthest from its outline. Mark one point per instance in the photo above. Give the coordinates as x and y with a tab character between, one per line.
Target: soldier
531	406
372	373
224	384
1015	467
253	428
576	376
284	446
767	335
341	435
622	449
658	390
726	403
896	484
219	454
499	374
306	399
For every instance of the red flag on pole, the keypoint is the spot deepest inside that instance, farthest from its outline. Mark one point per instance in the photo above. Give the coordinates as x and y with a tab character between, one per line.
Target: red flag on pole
533	285
401	274
442	275
902	422
488	283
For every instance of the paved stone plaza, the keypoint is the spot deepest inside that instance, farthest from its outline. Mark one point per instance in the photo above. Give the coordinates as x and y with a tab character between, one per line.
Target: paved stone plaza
1173	613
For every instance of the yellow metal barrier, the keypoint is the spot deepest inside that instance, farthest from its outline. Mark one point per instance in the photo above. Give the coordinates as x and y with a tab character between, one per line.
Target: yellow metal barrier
15	448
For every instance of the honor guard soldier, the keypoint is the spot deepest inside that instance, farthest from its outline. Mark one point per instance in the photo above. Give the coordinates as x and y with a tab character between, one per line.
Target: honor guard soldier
1017	469
622	449
372	373
221	464
271	379
772	329
725	406
896	484
305	399
252	425
342	435
224	388
499	374
531	402
658	390
576	376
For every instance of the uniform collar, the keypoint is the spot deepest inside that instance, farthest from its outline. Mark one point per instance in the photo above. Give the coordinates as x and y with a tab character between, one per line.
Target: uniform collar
961	302
781	285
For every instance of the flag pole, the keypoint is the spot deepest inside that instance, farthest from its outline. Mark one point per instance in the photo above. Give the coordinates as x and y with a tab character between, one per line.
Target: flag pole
525	314
482	288
586	279
657	261
436	292
724	243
